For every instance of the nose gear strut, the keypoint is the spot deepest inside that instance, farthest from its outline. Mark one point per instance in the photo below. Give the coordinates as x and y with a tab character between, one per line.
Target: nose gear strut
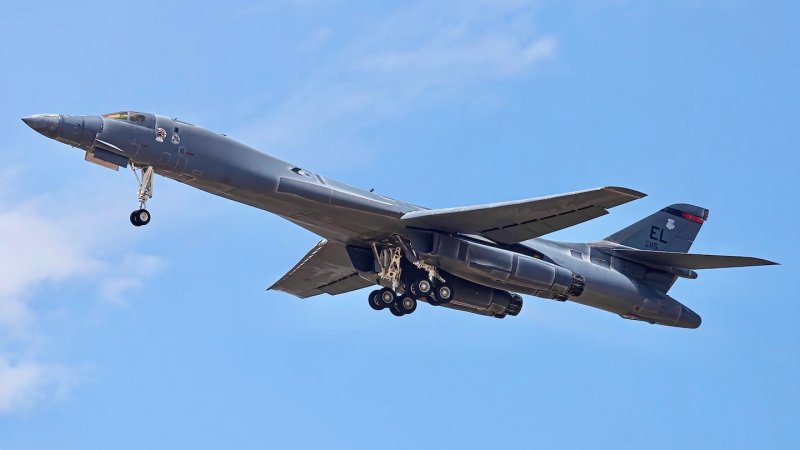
142	216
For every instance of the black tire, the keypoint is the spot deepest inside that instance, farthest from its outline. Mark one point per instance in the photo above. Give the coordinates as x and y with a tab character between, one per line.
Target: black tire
395	310
387	296
143	216
406	304
442	294
423	286
420	288
374	300
135	219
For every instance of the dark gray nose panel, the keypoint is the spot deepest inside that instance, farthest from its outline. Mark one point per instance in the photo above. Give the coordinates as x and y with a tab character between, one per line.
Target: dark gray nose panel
77	131
45	124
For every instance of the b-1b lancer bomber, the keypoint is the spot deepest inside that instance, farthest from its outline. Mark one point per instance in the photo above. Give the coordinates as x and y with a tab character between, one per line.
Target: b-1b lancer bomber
477	259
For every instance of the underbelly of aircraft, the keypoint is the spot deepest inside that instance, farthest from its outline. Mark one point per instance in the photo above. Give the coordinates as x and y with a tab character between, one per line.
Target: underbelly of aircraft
502	269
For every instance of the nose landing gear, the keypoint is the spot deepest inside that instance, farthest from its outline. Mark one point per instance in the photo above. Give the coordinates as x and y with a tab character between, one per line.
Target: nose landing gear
142	216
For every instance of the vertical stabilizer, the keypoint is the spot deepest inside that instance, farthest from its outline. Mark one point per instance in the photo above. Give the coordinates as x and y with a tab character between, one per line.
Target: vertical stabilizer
673	229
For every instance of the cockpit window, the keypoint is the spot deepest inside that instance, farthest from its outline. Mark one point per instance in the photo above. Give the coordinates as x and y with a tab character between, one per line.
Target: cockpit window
136	118
117	116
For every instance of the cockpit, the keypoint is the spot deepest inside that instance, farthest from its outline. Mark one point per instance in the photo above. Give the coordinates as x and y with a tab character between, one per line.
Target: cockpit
142	119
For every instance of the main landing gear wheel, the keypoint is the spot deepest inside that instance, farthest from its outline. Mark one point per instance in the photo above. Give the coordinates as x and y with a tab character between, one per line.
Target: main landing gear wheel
441	294
399	305
375	300
420	288
395	311
386	297
406	304
140	217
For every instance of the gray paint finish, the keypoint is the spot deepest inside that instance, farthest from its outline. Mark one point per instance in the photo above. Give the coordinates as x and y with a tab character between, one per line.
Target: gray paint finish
475	259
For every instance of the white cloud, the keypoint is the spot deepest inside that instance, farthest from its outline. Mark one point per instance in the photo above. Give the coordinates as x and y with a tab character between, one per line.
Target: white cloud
129	275
25	384
422	54
43	245
459	58
37	249
49	243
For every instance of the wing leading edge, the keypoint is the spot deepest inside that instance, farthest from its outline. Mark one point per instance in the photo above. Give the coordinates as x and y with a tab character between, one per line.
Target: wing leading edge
517	221
325	269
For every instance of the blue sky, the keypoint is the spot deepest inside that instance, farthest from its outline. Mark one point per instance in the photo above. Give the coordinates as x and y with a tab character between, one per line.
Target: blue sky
164	336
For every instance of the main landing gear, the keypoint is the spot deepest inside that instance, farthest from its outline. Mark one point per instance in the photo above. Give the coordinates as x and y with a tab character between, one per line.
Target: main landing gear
399	305
142	216
406	303
407	279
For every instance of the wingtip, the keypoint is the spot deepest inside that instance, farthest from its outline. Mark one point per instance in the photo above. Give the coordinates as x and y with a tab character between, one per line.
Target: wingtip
763	262
626	191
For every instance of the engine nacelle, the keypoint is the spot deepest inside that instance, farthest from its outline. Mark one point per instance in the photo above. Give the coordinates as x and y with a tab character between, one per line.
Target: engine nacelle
664	310
479	299
501	268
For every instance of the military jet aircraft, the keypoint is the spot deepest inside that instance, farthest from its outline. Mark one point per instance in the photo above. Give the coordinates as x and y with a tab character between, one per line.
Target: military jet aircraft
477	259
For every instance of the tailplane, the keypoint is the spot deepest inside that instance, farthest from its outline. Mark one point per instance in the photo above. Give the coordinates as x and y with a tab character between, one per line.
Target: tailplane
672	260
661	243
673	229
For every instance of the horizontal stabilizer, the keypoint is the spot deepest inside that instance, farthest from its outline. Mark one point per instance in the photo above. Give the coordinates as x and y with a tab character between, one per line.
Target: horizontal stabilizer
517	221
689	260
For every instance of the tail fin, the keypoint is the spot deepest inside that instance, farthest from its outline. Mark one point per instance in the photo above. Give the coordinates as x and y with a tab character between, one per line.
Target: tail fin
673	229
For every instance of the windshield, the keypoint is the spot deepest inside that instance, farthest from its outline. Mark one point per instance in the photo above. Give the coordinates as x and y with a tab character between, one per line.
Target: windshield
136	118
117	116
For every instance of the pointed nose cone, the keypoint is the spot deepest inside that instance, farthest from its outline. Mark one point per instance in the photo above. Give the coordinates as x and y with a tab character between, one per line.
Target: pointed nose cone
46	124
688	318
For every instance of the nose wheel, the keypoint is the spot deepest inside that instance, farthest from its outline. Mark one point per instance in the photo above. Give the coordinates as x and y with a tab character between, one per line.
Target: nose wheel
142	216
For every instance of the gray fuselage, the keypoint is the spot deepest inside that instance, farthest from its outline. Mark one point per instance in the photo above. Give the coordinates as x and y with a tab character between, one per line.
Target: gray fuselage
357	218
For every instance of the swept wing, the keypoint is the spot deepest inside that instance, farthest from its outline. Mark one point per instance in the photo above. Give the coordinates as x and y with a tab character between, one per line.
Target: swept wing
325	269
517	221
